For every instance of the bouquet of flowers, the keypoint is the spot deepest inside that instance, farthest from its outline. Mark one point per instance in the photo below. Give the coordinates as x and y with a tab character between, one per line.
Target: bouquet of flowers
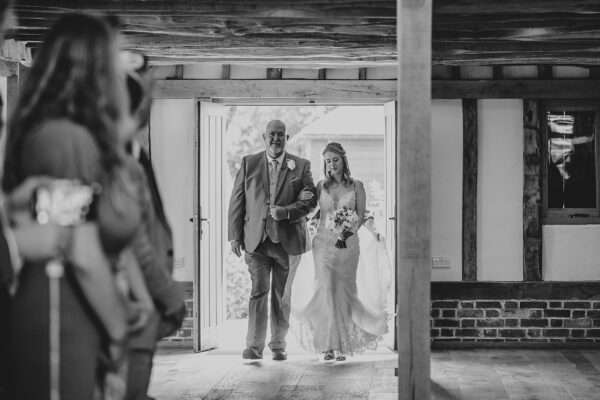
342	221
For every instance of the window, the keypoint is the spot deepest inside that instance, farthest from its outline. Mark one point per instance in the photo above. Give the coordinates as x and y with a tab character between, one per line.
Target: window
571	162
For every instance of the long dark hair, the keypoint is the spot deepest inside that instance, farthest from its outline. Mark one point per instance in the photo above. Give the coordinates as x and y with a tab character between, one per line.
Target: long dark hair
334	147
75	75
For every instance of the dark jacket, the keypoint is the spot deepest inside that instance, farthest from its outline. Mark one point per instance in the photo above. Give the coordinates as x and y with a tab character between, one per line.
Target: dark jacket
153	248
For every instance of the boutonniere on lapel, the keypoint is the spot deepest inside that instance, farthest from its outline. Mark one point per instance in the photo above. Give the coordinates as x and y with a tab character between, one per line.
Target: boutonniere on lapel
291	164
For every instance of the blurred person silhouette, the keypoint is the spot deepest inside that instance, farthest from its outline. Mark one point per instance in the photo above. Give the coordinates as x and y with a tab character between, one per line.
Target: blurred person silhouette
66	126
153	249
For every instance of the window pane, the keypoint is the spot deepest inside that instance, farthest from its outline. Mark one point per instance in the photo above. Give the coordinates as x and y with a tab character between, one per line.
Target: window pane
571	161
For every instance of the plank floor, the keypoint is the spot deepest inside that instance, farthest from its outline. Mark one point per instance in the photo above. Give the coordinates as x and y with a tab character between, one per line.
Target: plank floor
456	374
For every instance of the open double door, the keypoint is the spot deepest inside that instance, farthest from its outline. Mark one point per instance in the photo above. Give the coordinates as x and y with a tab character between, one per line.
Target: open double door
186	145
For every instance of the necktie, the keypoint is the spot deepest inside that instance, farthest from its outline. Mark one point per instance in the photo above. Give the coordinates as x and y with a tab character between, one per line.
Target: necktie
273	180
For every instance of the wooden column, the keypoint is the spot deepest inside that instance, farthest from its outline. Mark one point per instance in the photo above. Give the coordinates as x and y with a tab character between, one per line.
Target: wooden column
469	192
413	195
14	81
532	192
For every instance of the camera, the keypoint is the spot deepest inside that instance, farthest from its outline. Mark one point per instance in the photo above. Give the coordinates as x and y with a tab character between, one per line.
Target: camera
63	202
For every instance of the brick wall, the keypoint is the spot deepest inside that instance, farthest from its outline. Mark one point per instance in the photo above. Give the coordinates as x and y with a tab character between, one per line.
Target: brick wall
183	336
574	319
480	313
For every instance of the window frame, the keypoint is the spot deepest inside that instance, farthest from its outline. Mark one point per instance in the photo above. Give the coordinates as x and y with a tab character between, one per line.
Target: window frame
570	216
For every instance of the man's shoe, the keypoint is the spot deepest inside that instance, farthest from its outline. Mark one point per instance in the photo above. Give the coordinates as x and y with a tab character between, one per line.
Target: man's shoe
279	355
250	354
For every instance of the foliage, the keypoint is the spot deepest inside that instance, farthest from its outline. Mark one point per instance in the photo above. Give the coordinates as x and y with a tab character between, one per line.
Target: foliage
245	125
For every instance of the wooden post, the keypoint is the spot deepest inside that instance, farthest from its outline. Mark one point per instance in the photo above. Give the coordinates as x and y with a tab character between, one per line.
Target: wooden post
469	191
413	195
532	192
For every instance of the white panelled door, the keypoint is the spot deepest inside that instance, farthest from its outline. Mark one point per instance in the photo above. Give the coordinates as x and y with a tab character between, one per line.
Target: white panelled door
209	277
390	178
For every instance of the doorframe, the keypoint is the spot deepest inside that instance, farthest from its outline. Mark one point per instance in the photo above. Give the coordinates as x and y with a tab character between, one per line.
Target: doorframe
287	93
244	101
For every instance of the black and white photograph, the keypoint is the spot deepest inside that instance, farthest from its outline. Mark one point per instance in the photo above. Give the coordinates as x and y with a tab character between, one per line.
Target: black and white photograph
299	200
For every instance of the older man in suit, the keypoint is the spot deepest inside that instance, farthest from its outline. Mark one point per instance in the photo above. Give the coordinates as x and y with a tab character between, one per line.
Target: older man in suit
267	220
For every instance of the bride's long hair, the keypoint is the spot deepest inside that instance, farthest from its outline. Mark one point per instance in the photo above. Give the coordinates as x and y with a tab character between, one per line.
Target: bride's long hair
334	147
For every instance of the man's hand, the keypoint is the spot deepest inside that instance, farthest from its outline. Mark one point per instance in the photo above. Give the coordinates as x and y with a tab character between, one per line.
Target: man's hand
305	194
279	213
236	247
41	242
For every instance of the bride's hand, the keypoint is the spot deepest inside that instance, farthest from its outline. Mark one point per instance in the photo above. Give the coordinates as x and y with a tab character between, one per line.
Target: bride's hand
305	195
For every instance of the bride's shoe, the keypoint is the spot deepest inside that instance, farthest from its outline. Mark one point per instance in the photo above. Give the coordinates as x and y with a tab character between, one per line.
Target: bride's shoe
329	355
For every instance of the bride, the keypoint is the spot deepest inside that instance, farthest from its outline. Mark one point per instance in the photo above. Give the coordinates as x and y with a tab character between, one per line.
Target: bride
342	316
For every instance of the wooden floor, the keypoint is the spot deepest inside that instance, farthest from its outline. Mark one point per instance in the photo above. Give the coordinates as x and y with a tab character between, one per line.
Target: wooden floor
460	374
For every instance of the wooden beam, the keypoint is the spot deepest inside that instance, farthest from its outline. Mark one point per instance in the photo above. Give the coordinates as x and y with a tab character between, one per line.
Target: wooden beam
380	90
274	73
557	290
413	195
515	89
178	72
469	190
347	31
454	72
544	72
226	72
532	192
362	74
498	72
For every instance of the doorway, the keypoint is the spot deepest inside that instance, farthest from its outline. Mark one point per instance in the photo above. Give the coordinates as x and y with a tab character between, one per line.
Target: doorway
197	154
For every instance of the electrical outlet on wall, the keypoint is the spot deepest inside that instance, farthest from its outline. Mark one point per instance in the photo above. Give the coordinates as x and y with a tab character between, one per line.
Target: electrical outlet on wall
440	262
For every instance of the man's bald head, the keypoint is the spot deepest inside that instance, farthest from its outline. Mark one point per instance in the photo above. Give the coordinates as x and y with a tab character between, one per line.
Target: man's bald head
275	138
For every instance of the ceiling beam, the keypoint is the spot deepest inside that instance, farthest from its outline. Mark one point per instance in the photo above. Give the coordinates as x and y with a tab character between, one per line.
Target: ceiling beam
374	90
336	32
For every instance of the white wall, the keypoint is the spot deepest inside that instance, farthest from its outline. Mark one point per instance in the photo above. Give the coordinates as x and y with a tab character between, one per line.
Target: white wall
500	191
172	131
571	252
446	188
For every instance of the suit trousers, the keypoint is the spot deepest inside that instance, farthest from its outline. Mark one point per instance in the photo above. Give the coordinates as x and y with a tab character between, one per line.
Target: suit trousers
268	264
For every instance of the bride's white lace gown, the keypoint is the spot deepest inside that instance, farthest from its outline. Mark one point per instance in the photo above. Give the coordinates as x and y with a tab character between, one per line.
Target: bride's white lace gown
335	318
